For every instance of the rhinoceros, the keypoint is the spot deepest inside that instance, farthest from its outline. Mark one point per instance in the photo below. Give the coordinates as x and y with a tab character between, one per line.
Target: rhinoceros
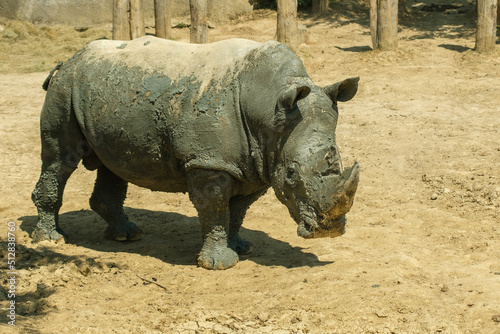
222	121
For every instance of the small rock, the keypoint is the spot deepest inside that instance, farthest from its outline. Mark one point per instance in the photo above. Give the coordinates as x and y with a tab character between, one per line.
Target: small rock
205	324
444	288
190	325
496	318
263	317
497	273
434	196
65	278
84	270
376	286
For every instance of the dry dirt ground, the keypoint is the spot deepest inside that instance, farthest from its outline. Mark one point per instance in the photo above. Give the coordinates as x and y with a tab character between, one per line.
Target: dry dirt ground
422	248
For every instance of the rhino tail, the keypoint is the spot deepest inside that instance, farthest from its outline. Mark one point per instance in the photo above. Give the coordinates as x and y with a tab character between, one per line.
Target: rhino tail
46	83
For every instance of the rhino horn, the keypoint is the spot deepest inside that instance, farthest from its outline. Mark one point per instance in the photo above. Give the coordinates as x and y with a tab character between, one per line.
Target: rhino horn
342	196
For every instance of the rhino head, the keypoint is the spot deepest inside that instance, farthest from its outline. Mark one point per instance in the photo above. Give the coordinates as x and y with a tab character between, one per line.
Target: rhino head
308	175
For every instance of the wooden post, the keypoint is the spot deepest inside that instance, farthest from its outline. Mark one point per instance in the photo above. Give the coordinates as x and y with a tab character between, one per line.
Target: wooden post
287	26
384	24
121	25
320	6
486	25
163	18
199	24
373	22
136	19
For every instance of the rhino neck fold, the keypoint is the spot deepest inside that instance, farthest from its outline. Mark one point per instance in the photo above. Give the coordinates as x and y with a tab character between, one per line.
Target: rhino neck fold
257	151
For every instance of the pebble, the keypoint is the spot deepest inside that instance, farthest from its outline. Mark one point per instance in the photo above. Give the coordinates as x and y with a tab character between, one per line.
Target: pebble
444	288
496	318
205	324
263	317
190	325
434	196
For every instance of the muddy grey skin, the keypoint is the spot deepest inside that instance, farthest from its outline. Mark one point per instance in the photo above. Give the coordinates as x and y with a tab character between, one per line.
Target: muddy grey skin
222	121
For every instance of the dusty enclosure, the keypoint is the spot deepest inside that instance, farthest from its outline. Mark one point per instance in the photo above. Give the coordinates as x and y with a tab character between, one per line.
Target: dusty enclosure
421	252
87	13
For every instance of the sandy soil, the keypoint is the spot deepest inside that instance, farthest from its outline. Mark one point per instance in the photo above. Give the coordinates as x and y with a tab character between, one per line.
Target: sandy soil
422	248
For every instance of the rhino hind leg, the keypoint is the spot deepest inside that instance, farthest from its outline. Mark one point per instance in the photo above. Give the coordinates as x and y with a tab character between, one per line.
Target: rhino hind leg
107	200
47	198
238	207
61	153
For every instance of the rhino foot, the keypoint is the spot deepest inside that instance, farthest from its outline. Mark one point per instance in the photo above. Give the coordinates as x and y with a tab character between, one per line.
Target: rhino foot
123	232
239	245
218	259
54	234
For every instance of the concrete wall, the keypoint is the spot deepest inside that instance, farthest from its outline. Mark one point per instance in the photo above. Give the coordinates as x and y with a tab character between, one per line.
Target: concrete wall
84	13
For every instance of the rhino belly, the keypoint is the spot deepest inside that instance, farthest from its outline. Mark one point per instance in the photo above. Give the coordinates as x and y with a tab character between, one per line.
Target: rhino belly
143	165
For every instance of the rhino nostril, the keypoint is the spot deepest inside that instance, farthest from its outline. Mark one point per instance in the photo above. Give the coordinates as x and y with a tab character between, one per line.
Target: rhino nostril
334	169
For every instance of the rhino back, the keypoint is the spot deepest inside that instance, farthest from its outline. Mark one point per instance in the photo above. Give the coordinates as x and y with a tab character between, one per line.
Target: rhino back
152	108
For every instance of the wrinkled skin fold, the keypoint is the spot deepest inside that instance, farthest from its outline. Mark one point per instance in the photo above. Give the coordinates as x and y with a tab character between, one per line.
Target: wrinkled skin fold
223	122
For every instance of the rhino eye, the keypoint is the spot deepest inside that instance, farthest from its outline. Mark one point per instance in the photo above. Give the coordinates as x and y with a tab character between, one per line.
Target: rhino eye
291	176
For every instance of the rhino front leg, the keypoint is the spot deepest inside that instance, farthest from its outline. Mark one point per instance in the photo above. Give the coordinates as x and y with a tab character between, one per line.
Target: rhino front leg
238	207
210	192
107	200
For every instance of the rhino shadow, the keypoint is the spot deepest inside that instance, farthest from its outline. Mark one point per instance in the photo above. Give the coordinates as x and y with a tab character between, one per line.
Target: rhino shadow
32	304
171	237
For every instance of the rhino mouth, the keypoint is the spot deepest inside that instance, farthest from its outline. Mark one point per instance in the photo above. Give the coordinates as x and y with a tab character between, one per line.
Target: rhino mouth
313	225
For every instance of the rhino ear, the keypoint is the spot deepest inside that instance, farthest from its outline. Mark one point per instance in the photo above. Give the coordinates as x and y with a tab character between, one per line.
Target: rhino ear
342	91
287	103
292	95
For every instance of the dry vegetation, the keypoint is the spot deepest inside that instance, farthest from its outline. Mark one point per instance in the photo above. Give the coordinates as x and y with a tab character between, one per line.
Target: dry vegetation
27	48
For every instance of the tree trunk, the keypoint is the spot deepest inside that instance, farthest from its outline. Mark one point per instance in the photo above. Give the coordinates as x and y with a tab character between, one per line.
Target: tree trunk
386	36
486	25
373	22
199	25
136	19
287	26
163	18
320	6
121	24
